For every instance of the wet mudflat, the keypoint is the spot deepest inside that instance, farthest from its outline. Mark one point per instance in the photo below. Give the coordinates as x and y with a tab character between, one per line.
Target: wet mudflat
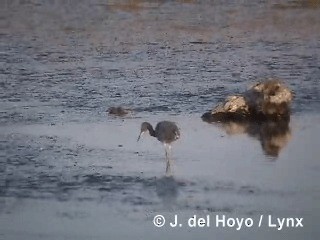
70	171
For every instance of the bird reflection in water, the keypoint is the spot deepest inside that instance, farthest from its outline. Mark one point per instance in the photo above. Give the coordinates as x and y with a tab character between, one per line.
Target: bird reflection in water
273	135
167	187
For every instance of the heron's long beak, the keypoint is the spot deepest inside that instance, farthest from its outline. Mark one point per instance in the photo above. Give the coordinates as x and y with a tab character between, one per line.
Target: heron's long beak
140	135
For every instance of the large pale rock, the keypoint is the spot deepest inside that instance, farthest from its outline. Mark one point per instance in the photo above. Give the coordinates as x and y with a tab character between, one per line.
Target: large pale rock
269	100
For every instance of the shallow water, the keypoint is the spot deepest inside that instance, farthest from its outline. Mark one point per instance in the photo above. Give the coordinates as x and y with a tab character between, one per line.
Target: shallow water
69	171
82	173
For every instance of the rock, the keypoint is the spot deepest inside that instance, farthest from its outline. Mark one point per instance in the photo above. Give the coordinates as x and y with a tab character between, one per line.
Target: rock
269	100
119	111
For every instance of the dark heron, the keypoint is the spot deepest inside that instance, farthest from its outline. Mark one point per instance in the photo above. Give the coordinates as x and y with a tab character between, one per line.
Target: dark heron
166	132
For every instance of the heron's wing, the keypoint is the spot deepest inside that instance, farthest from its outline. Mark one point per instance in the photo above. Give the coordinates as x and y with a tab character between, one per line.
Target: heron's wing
167	131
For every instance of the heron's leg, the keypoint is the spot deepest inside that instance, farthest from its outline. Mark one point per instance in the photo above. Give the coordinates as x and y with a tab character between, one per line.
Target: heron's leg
167	151
169	147
168	169
168	158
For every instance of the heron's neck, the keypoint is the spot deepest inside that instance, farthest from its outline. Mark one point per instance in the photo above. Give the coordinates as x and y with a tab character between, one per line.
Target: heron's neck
151	130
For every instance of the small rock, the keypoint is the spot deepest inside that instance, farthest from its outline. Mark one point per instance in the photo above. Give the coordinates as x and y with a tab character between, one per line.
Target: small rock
119	111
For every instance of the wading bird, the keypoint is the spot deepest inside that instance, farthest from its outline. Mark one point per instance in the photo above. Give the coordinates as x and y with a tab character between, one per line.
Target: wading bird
166	132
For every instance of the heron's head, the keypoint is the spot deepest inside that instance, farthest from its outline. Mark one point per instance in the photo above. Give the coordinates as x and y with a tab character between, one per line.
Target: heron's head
145	127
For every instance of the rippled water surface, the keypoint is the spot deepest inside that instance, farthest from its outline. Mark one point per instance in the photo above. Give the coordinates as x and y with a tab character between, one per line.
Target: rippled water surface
70	171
